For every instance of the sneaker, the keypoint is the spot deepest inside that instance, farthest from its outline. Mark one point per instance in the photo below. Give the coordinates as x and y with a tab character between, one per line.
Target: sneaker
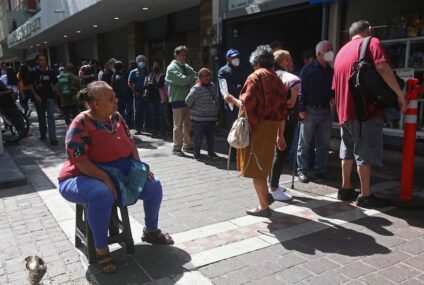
281	194
348	194
371	202
213	155
138	132
303	177
197	156
54	142
189	149
177	152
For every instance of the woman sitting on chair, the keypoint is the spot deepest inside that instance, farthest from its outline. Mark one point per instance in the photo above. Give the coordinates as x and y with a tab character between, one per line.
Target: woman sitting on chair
98	137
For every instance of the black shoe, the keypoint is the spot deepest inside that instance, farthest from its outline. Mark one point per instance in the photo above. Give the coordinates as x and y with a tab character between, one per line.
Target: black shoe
270	198
177	152
54	142
260	213
303	177
371	202
347	194
197	156
322	176
189	149
213	155
43	138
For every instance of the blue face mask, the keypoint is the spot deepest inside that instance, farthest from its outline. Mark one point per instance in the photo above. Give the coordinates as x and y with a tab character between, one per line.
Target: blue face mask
141	64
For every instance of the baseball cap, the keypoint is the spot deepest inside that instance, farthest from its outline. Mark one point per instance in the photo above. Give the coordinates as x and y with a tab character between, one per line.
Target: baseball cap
232	53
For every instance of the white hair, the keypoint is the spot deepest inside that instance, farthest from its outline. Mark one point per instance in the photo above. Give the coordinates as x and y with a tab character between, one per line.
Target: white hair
320	46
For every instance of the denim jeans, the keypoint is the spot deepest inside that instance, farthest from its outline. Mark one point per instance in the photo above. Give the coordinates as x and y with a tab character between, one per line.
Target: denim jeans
124	108
94	193
200	130
155	116
317	124
49	107
139	113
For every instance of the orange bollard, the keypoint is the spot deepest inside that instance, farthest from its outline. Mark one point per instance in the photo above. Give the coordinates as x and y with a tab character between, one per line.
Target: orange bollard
409	140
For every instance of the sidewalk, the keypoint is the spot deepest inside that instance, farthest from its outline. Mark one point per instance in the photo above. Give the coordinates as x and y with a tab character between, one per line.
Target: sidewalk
314	239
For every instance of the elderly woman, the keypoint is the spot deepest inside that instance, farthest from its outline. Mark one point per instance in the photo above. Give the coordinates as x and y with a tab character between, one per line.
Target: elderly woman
98	137
263	99
283	62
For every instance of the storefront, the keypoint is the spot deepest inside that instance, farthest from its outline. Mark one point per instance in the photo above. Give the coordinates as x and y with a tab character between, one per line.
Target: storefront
247	25
400	26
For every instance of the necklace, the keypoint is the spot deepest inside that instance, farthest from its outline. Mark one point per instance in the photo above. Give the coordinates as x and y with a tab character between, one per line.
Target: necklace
112	129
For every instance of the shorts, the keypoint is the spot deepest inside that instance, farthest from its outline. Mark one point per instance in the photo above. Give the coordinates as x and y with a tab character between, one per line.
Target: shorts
367	148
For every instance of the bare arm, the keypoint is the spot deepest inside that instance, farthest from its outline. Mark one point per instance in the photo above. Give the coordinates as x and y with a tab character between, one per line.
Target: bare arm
281	142
135	154
90	169
36	96
386	72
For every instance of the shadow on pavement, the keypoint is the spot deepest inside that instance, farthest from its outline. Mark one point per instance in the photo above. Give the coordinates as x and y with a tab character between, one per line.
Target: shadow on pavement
148	264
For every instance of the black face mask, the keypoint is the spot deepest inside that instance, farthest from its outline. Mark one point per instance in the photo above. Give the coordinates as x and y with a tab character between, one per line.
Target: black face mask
156	70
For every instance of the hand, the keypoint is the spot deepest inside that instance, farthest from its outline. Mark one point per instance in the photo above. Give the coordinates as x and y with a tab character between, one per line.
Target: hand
281	143
332	102
403	104
302	115
291	103
136	94
37	99
150	176
109	183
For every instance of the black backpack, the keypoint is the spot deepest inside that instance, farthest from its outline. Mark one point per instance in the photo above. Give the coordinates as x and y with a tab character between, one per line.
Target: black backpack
367	86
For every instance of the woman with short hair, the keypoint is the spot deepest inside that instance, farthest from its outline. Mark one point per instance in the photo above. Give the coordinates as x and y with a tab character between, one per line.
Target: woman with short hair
263	99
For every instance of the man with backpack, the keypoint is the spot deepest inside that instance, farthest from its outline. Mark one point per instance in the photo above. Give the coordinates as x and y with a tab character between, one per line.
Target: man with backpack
361	138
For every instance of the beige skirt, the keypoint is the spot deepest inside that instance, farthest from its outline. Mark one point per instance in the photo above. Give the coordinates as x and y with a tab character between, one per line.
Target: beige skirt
264	140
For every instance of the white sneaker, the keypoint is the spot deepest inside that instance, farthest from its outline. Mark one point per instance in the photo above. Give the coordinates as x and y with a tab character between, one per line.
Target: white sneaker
281	194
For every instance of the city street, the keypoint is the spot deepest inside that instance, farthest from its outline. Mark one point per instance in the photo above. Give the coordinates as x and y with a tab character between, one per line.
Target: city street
315	239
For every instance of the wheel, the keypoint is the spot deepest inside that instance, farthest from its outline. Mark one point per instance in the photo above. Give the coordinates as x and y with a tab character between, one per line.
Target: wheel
18	125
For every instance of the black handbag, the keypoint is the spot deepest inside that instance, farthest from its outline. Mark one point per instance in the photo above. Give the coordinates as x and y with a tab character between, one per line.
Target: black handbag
366	81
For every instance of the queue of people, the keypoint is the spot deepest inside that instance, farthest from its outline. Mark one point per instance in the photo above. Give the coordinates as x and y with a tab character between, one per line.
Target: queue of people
274	100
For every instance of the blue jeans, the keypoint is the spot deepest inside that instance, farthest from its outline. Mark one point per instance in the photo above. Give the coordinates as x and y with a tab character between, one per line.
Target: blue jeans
155	116
317	124
41	108
139	113
24	99
99	199
200	130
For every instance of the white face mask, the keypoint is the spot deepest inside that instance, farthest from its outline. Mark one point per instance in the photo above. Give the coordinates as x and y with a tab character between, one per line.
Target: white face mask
235	62
329	56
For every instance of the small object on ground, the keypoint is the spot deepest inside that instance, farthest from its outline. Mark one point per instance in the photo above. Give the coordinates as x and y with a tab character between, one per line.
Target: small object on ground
37	268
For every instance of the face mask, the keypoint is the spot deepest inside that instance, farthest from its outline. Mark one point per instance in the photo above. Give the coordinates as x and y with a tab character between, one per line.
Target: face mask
156	69
62	72
235	62
141	64
329	56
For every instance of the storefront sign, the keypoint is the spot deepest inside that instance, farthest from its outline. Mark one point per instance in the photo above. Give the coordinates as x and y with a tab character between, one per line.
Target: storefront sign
24	31
236	4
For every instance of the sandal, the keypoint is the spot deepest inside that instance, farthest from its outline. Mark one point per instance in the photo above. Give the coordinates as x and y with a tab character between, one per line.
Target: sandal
106	262
157	237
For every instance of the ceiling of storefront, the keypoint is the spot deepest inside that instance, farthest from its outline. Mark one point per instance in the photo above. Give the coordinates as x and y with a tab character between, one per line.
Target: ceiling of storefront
103	14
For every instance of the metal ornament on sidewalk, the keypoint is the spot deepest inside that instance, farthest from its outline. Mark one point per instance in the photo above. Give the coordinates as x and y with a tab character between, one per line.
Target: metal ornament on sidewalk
37	268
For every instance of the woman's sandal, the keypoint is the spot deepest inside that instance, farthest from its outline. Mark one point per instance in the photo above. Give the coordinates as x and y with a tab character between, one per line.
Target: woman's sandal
157	237
106	262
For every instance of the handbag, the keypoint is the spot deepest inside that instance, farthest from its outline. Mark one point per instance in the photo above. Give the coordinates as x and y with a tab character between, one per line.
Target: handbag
239	138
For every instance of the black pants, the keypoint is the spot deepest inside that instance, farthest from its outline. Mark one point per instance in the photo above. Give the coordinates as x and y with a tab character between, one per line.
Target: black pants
200	130
281	156
68	111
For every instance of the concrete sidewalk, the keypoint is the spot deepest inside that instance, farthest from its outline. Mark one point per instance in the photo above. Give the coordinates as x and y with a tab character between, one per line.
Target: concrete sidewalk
314	239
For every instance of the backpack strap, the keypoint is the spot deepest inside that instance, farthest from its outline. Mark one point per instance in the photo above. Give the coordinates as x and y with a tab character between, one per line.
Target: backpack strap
363	48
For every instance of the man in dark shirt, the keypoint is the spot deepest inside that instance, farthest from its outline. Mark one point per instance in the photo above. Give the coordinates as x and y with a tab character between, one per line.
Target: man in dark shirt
231	79
44	88
88	73
108	73
314	103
